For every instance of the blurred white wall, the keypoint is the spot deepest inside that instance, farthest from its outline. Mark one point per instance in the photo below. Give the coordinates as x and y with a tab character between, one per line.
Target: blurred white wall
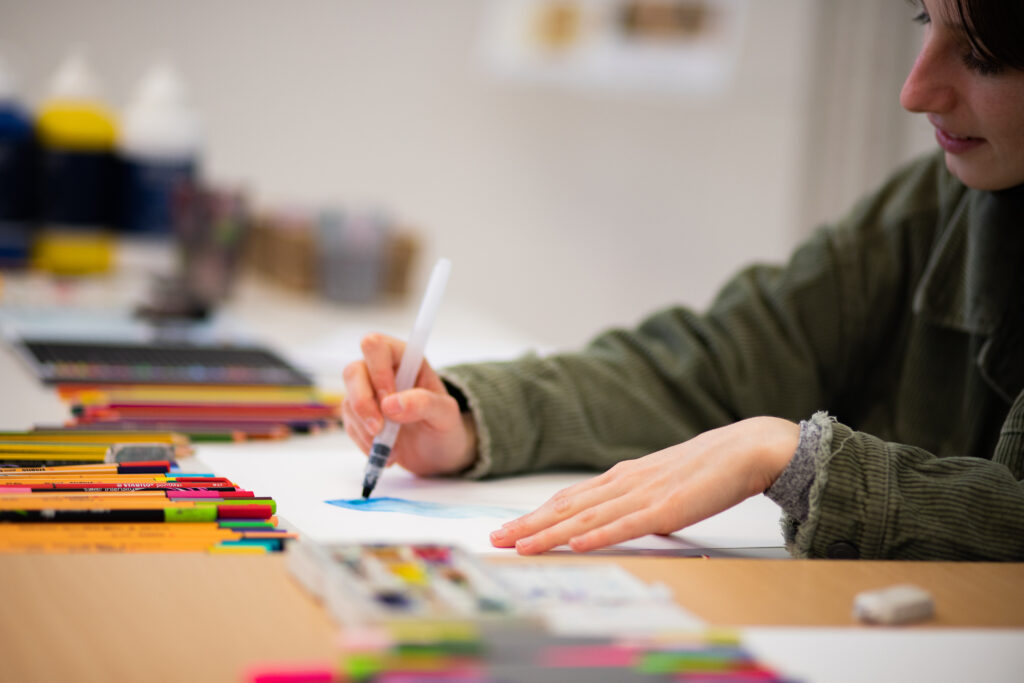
564	212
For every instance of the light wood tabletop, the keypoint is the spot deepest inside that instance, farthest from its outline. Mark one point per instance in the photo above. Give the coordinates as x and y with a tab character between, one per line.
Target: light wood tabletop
194	617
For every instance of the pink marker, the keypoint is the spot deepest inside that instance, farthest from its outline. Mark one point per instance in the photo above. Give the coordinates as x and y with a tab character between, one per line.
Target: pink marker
210	494
311	673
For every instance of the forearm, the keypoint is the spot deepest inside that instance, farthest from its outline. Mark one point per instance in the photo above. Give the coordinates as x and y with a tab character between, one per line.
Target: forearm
630	393
571	411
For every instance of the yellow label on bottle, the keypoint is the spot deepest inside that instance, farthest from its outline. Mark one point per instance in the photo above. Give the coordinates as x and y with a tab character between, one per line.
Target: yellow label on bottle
73	252
77	125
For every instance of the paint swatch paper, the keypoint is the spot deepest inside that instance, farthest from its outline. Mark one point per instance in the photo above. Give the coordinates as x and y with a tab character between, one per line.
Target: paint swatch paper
420	508
303	474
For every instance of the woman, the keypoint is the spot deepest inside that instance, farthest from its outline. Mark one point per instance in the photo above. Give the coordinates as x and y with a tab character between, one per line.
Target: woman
904	321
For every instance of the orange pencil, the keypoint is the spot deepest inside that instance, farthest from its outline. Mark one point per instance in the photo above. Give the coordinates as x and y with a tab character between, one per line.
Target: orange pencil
129	537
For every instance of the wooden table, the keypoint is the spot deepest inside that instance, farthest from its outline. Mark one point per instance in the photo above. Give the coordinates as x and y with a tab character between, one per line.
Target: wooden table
208	618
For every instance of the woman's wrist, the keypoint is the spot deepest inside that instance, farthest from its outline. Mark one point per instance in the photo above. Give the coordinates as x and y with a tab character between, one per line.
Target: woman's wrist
776	441
469	453
791	489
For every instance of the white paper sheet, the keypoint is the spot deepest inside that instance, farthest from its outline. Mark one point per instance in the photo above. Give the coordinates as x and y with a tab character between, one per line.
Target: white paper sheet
302	473
889	655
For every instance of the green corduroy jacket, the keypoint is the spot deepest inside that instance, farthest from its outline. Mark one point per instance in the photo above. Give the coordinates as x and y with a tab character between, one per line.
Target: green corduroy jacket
904	320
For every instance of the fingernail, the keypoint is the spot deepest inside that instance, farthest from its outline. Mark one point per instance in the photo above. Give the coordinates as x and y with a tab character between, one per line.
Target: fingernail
499	535
523	544
372	425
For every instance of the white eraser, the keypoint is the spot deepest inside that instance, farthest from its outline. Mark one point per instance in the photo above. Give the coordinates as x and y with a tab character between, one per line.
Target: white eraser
894	605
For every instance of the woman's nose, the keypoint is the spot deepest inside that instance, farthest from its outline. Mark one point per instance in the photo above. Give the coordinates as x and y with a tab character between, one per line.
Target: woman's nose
930	85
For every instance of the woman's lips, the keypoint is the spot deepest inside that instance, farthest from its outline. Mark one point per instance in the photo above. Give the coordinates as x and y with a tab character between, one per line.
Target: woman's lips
955	144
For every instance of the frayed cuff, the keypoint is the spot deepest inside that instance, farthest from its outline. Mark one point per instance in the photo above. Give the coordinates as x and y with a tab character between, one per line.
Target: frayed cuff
792	488
799	521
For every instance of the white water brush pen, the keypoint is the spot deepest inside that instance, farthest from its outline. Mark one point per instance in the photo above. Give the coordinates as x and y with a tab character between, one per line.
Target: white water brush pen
408	369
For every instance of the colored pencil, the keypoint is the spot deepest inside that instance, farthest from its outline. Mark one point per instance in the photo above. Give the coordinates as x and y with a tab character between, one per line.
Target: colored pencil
64	434
69	391
118	513
183	394
154	467
133	537
81	449
57	434
196	431
274	412
35	501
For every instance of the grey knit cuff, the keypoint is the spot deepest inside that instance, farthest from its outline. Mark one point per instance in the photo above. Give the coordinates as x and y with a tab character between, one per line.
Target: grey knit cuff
792	489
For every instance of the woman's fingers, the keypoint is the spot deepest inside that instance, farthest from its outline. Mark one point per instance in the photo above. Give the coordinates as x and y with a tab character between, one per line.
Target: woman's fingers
608	514
661	492
593	517
562	506
436	437
637	523
382	355
361	398
633	498
430	380
371	381
439	411
355	429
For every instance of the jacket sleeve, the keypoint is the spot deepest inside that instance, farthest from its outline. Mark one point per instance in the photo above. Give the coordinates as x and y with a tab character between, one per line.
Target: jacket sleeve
776	341
783	341
875	499
632	392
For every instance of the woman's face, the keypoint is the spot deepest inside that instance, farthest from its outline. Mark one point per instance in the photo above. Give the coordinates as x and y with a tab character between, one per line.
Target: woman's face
977	108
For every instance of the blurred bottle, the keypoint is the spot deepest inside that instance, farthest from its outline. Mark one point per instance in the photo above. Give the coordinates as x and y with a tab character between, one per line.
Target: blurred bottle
353	253
77	134
18	157
160	146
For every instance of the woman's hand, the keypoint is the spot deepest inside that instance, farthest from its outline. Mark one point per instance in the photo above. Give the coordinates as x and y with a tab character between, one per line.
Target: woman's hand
435	437
661	492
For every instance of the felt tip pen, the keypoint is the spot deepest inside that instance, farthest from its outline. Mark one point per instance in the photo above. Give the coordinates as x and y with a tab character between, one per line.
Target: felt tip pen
408	369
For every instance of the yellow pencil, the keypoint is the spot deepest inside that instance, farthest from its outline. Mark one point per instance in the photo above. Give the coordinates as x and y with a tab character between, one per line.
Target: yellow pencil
95	436
178	442
205	395
99	450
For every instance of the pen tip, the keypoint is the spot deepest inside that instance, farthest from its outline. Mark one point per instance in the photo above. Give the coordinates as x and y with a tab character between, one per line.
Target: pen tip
367	490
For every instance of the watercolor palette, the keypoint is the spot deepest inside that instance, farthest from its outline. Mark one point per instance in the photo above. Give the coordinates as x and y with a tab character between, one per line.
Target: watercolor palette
433	612
383	583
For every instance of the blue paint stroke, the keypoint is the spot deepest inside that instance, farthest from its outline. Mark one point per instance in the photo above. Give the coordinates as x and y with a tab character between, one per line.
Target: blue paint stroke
423	508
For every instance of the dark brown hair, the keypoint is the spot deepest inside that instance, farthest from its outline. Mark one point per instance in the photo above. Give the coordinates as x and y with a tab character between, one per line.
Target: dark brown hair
995	29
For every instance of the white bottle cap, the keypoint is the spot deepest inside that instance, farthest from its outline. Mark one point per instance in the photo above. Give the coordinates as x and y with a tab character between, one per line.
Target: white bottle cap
74	80
158	122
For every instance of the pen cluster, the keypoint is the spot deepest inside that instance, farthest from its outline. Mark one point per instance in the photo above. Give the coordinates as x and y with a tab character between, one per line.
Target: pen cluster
78	491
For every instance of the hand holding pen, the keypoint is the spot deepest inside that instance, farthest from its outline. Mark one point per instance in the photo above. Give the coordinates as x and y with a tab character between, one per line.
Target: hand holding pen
435	437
